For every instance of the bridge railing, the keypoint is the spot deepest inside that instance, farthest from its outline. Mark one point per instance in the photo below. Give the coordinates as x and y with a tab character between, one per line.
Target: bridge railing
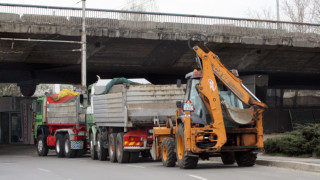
113	19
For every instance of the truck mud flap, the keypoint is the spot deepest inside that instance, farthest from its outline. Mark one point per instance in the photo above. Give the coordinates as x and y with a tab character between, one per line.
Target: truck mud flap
153	151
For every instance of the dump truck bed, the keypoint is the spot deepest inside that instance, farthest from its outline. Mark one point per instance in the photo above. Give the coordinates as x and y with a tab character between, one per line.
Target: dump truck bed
63	113
133	105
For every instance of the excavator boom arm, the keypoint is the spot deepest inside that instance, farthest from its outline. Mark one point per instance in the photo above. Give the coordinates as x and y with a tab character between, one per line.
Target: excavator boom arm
226	77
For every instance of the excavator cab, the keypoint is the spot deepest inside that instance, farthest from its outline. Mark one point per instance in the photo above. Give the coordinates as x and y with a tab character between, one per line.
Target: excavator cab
235	112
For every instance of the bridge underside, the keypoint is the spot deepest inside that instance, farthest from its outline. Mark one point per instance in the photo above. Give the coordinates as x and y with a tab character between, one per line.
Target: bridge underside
160	61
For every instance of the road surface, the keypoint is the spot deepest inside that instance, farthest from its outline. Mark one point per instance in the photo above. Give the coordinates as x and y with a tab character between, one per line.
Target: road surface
25	164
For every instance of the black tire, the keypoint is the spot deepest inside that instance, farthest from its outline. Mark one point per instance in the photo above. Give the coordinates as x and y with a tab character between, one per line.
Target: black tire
42	147
168	155
184	161
246	158
59	146
93	152
112	147
102	152
228	158
134	157
68	152
122	156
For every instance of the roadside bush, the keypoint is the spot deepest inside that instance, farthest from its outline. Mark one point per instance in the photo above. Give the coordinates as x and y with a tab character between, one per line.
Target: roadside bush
305	139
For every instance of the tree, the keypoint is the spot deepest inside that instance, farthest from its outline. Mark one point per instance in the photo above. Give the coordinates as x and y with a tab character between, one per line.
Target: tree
302	11
298	10
316	11
140	6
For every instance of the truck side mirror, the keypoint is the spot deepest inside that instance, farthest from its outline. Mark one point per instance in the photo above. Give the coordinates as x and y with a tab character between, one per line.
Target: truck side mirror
178	83
179	104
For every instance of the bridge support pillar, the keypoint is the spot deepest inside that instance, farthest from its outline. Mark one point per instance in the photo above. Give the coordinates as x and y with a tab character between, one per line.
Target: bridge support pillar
257	84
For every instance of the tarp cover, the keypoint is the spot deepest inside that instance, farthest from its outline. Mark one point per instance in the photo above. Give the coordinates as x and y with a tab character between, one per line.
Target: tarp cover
115	81
63	93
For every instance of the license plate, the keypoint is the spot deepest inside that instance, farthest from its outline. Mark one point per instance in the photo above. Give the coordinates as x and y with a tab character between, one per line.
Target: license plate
188	107
77	145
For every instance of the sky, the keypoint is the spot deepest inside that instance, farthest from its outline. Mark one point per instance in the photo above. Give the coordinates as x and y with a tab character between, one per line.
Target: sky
225	8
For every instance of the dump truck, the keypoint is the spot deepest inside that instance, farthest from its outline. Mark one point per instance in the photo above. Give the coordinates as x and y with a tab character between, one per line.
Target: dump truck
219	116
121	119
60	125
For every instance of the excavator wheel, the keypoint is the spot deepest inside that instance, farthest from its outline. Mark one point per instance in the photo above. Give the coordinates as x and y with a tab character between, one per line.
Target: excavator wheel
168	155
228	158
246	158
184	161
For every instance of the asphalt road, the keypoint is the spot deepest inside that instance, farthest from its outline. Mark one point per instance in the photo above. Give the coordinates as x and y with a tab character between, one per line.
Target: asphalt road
25	164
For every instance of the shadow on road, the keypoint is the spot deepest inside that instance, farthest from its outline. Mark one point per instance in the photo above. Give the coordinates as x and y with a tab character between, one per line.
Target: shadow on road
17	149
30	150
214	165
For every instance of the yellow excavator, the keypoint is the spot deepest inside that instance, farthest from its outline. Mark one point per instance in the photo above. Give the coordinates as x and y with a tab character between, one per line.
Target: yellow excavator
219	117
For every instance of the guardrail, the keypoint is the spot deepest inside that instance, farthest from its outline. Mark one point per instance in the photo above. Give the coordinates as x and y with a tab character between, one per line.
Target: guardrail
51	15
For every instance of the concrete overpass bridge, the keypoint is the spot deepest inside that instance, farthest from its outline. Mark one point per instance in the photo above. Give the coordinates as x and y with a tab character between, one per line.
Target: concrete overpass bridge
151	45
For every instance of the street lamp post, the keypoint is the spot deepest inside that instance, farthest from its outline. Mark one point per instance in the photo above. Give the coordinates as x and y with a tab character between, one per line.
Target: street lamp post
278	15
83	49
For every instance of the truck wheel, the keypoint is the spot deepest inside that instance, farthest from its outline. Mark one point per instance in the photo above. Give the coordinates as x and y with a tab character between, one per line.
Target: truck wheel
184	161
246	158
122	156
228	157
134	157
112	147
102	152
168	155
42	147
93	152
68	152
59	145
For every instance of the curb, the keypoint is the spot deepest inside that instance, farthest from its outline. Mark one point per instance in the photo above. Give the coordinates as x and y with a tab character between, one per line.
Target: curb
291	165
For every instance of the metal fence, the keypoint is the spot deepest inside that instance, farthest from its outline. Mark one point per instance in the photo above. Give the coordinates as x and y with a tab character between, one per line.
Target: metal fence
95	18
304	116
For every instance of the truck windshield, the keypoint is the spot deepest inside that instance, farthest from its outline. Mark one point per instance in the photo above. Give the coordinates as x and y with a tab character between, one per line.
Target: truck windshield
39	108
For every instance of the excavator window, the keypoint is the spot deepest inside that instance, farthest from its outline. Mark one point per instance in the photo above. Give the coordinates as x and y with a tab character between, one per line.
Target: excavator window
201	114
226	95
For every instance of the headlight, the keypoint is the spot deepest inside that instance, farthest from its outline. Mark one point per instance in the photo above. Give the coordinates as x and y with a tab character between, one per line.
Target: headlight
150	131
